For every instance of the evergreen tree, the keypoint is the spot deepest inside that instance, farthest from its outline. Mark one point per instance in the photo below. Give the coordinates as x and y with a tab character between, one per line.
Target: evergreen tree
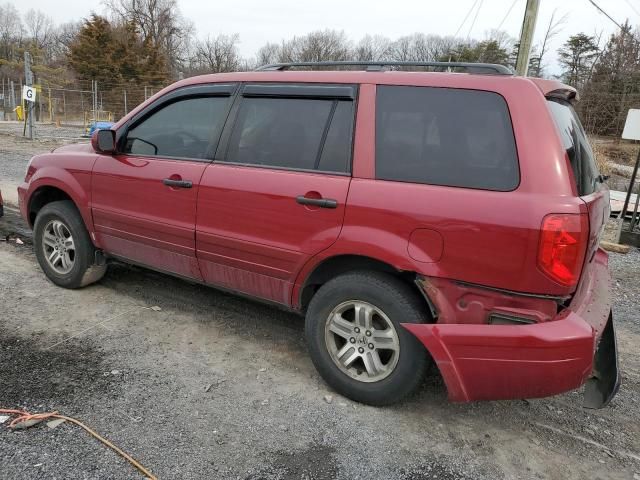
112	54
614	85
91	54
576	57
488	51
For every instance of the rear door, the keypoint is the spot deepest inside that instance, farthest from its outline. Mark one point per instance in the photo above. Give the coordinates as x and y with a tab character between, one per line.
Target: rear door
144	198
276	194
589	183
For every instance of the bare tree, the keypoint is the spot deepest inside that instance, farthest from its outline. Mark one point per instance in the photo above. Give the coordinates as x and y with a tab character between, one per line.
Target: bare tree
39	29
372	48
553	28
268	53
64	35
503	39
612	85
10	30
439	47
422	48
160	23
401	49
321	45
219	54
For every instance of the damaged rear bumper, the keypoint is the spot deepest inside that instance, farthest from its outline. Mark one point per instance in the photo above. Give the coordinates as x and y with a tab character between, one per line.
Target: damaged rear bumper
604	382
497	362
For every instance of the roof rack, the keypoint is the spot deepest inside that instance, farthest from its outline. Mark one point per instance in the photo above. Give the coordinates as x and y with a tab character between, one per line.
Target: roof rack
483	68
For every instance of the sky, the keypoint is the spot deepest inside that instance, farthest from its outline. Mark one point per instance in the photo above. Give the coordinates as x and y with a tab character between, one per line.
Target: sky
261	21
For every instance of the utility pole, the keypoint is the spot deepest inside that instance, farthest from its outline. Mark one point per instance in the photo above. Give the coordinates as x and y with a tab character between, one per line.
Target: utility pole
94	87
28	80
50	107
12	97
526	36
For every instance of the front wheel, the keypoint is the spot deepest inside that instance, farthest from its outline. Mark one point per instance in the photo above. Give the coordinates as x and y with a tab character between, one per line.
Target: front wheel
63	247
356	341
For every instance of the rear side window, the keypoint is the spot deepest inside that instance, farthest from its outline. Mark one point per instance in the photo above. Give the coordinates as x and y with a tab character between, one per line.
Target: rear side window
295	133
445	136
186	128
574	141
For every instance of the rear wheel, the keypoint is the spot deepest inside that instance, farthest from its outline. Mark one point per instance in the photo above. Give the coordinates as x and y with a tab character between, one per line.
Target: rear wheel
63	247
356	341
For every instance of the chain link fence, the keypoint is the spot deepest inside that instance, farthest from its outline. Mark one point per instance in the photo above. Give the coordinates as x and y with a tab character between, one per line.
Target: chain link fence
83	102
75	105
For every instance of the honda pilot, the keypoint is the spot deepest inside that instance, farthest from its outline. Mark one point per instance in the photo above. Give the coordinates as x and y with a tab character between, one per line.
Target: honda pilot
415	214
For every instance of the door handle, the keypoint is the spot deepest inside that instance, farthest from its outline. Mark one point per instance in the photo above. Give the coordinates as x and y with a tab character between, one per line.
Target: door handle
177	183
318	202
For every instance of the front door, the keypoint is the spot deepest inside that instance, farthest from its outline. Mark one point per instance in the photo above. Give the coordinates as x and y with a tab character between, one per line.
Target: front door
144	198
276	194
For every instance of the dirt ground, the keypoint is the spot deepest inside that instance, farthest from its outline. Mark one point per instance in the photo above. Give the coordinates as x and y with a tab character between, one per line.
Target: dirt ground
209	385
616	159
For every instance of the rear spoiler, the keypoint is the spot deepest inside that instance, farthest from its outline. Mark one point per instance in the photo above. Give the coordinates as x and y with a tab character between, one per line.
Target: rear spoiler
568	94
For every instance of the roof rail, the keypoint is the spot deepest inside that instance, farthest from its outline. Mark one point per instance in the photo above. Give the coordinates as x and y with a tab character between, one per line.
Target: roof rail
484	68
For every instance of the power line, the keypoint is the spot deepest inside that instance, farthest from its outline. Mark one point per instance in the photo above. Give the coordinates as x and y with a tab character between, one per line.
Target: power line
606	14
465	18
632	7
513	4
474	19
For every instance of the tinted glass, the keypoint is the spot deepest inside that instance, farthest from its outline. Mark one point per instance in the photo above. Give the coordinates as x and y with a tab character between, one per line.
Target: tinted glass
574	140
336	153
444	136
187	128
291	133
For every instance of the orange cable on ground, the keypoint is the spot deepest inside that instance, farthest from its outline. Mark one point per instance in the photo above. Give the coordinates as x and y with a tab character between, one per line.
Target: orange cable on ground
25	419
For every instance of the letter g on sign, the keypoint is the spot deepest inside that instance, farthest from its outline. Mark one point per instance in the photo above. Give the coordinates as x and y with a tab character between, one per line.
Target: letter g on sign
29	93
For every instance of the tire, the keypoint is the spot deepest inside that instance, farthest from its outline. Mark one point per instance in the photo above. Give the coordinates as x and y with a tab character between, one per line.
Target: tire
59	233
393	302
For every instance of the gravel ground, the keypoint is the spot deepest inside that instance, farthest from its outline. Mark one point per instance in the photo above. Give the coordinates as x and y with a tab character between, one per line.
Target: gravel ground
44	131
15	151
213	386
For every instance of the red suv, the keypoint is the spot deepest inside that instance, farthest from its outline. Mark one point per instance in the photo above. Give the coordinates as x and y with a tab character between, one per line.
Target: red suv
414	217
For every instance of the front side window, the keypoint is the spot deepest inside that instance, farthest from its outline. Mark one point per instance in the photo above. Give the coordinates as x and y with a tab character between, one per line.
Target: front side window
295	133
187	128
445	136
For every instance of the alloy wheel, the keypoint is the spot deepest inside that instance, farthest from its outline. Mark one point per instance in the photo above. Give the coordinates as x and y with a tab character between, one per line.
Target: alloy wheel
362	341
58	247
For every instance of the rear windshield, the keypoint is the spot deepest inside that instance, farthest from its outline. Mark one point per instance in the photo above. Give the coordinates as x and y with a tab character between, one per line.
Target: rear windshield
445	136
574	140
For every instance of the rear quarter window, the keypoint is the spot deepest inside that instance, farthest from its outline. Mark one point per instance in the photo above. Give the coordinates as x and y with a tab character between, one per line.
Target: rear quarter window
575	142
445	136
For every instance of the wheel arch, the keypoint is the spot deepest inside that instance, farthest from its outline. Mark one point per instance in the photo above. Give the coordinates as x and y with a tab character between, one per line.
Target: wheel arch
42	196
50	186
333	266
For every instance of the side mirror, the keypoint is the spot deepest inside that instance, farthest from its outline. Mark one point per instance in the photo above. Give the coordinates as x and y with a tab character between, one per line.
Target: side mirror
104	141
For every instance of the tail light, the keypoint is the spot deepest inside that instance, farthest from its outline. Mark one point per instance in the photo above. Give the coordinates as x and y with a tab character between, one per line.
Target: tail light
563	244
